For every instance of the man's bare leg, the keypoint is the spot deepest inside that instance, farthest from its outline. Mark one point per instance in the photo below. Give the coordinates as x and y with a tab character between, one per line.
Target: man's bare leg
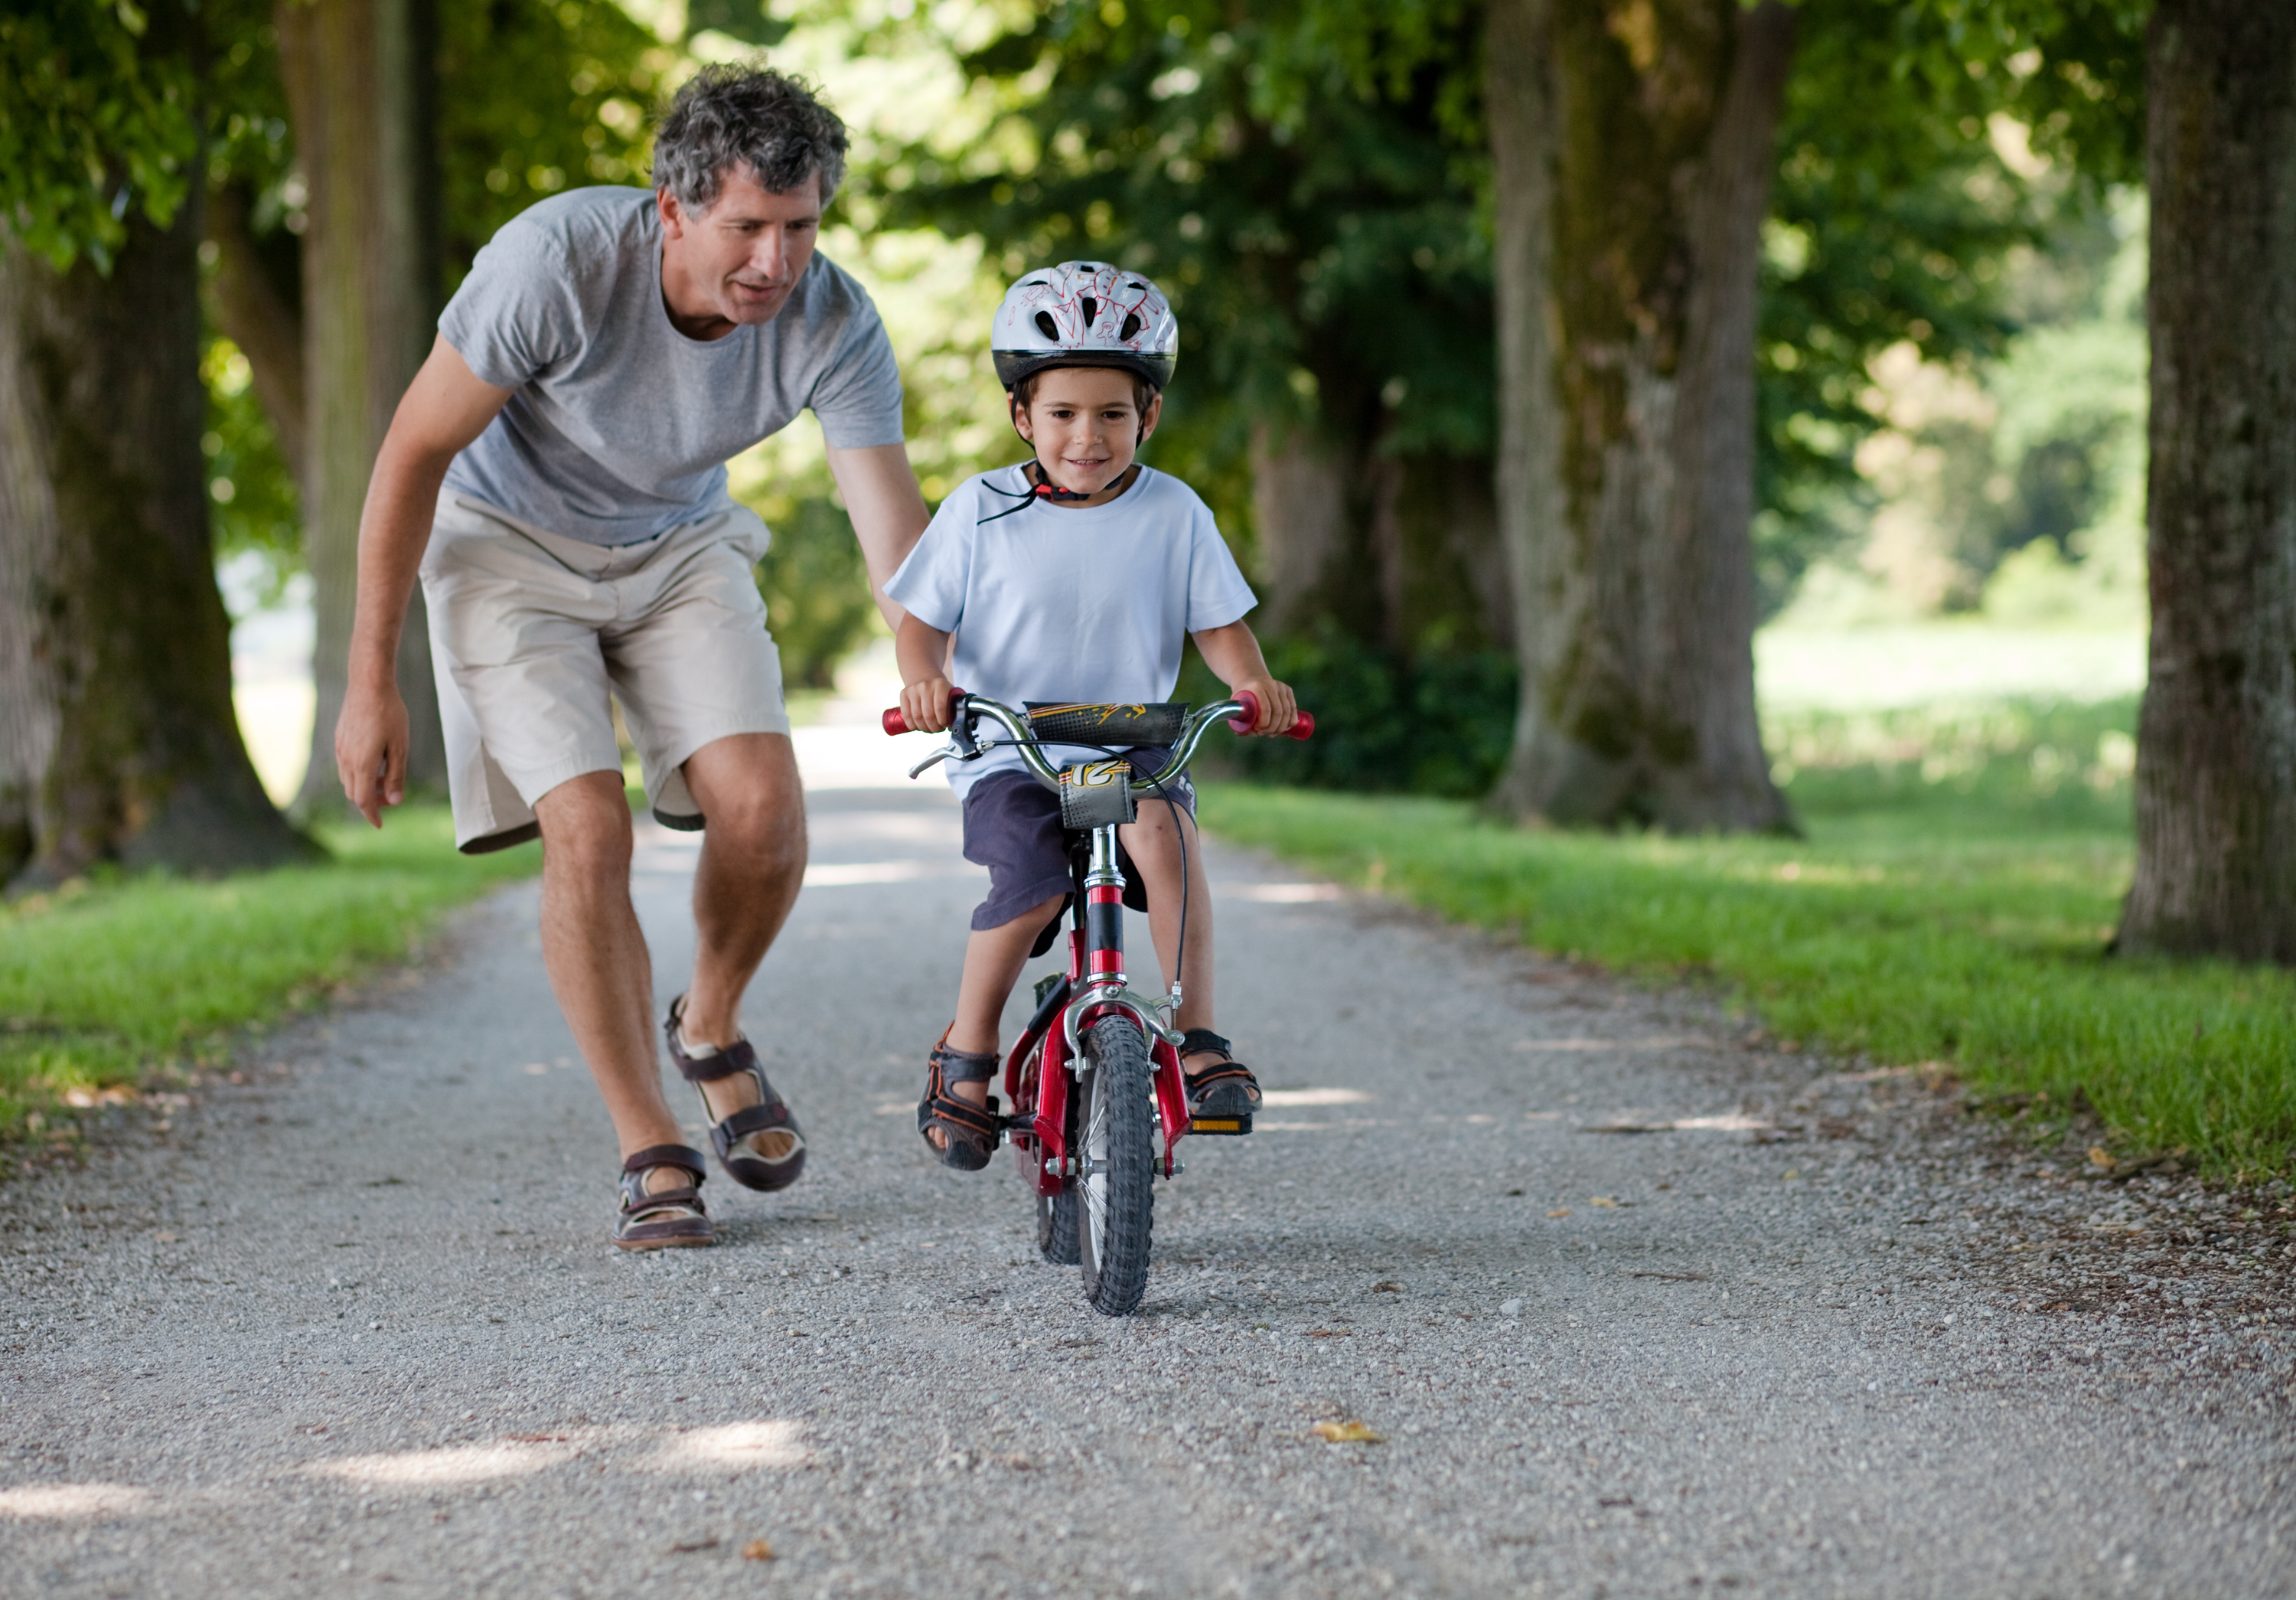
753	853
597	957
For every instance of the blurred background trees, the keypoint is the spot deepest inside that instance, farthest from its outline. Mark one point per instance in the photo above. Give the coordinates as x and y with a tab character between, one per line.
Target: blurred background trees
1535	352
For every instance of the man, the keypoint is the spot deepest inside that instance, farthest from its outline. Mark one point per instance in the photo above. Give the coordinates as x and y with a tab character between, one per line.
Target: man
556	476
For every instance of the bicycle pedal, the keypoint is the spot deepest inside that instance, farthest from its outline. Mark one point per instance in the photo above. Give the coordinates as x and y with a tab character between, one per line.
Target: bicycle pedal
1221	1127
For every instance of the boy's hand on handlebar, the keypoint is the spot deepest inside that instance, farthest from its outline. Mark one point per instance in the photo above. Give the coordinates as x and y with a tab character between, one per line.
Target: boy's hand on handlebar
924	704
1278	710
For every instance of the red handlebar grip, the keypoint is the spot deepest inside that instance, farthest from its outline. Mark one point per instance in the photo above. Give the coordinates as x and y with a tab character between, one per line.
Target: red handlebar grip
1300	729
896	724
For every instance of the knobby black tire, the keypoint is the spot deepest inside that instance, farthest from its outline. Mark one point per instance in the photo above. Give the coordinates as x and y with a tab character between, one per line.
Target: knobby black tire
1058	1227
1116	1135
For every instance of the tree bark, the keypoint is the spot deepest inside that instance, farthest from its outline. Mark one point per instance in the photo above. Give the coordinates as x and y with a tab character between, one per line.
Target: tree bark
1298	513
118	739
354	71
1632	149
2216	764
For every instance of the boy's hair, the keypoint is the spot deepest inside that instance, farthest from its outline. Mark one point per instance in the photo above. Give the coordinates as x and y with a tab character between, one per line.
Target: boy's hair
732	115
1024	392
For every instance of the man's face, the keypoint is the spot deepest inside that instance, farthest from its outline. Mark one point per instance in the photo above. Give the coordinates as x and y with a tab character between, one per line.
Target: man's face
1085	425
735	265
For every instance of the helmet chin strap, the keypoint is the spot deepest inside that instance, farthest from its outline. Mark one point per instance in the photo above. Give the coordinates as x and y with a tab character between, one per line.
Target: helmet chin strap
1036	491
1049	490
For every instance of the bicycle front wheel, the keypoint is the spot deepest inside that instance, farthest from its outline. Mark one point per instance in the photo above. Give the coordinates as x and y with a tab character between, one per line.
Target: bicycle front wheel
1116	1121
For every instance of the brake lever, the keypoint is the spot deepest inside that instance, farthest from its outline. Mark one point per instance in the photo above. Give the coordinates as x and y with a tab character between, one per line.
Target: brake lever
950	752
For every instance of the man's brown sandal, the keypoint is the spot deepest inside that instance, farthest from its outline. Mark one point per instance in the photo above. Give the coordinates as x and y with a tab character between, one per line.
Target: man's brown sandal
1223	1098
743	1163
663	1219
969	1132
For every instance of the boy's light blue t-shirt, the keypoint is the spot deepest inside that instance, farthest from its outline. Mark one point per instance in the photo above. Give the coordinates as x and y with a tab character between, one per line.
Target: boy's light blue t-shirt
618	426
1064	603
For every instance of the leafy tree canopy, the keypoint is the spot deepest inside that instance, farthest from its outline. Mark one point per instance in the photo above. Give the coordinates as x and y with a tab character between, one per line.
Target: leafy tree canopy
1324	270
104	110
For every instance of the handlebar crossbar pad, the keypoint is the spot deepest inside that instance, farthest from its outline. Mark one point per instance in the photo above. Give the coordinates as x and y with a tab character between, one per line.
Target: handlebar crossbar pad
1115	726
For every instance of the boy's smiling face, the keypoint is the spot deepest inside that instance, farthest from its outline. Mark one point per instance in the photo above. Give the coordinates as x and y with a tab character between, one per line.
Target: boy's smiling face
1086	426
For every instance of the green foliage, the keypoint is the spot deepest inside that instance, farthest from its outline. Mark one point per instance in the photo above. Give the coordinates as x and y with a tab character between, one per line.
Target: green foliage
2072	71
817	590
255	506
1328	267
745	21
100	112
1438	722
1962	920
535	97
1897	212
137	981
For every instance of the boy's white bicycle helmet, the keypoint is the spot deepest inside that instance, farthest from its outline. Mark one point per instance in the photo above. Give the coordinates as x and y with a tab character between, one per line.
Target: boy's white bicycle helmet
1085	314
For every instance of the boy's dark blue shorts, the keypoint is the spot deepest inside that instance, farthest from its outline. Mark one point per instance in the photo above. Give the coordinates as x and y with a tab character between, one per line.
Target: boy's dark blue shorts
1012	827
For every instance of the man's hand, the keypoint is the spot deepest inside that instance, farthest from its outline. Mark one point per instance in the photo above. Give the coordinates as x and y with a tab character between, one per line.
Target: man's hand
1278	709
371	739
924	704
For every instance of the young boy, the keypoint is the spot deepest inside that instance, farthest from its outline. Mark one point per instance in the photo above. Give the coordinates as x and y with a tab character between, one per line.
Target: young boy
1073	577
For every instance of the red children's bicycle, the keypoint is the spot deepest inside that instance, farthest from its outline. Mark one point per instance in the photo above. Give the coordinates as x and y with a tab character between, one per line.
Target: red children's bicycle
1099	1102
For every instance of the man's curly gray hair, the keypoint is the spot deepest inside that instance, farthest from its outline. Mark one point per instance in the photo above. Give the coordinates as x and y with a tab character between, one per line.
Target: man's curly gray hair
732	115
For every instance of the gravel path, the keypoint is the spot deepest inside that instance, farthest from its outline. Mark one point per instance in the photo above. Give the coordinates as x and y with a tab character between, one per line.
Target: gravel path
354	1327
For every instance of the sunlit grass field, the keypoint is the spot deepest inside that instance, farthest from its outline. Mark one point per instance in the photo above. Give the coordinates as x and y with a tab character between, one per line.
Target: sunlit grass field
128	983
1951	903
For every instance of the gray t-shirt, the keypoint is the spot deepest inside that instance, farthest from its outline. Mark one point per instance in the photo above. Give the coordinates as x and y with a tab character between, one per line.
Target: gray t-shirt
618	426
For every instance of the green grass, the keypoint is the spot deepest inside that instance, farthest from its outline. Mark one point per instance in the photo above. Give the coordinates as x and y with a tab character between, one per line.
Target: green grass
1951	903
130	983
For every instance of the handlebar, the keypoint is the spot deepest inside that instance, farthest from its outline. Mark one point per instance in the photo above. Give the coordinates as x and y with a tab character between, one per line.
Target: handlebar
1241	713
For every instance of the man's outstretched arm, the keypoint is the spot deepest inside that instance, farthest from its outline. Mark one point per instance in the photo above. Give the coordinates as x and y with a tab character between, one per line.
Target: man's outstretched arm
443	410
888	511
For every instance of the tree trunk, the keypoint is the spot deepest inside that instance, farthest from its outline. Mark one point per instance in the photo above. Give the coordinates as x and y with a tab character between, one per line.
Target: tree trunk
118	740
356	73
1298	513
2215	763
1632	153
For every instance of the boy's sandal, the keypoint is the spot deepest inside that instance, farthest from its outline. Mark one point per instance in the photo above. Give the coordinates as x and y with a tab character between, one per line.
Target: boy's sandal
1225	1089
733	1136
969	1132
663	1219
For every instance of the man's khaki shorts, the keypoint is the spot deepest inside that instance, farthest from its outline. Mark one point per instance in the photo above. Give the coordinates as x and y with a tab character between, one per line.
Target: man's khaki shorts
531	632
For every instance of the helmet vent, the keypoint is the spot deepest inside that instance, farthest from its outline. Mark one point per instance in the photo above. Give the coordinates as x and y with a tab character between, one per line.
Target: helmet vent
1045	326
1091	311
1135	283
1131	326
